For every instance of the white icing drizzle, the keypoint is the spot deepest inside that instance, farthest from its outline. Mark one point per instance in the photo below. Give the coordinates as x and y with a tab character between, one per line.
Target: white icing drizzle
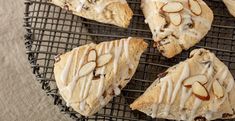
82	105
154	110
117	51
163	90
101	84
117	91
222	74
196	104
102	4
205	68
88	85
126	51
169	92
230	85
155	105
170	89
184	75
101	81
100	50
65	71
81	63
165	81
184	96
210	71
164	1
100	87
197	101
83	87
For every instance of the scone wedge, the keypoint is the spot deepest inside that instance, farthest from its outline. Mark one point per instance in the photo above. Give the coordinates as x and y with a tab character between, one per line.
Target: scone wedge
230	4
201	87
177	25
89	76
116	12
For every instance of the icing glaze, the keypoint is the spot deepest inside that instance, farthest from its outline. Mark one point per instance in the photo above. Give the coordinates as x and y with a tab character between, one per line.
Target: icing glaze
65	72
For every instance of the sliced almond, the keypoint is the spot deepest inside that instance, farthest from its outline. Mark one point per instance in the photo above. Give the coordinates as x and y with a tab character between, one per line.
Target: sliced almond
218	89
195	7
197	78
87	68
103	59
175	18
92	55
172	7
200	91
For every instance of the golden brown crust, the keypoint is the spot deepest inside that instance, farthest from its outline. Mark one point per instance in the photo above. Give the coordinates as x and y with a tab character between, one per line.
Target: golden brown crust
125	70
117	12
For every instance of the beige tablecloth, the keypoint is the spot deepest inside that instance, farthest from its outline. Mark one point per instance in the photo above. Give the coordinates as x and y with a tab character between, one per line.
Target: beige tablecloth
21	98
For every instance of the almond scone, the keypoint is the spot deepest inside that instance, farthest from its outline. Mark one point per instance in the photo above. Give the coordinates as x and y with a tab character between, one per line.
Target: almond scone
116	12
200	88
177	25
89	76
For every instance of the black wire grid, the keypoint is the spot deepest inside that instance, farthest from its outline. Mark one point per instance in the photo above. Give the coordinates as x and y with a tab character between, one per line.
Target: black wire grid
52	30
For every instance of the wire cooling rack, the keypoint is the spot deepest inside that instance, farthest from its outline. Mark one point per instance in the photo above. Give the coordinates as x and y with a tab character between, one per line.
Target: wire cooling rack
52	30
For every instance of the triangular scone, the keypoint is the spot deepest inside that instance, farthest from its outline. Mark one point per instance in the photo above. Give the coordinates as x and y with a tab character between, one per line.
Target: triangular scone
115	12
201	87
89	76
177	25
230	4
